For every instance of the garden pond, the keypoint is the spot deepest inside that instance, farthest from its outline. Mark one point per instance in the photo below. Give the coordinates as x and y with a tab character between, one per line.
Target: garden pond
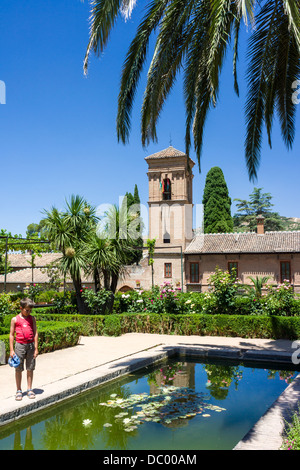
178	404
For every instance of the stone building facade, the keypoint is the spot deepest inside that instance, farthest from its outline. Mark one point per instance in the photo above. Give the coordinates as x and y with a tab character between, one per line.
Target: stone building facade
187	258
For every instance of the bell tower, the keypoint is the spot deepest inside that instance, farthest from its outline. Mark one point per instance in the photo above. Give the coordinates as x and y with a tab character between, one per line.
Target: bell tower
170	197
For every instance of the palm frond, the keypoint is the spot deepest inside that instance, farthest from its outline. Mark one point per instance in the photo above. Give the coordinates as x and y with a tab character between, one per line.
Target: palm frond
171	46
292	11
222	18
133	66
102	20
261	54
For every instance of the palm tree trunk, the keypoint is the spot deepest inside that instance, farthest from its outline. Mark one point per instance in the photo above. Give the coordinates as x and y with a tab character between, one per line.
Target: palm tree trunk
97	280
114	282
82	308
106	278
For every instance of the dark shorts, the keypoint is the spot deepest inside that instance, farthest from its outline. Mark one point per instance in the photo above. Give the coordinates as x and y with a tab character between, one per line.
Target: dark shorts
25	352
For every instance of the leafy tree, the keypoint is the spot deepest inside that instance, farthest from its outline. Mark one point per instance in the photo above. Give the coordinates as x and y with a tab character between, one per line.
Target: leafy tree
259	204
194	36
138	254
36	229
134	213
151	248
217	203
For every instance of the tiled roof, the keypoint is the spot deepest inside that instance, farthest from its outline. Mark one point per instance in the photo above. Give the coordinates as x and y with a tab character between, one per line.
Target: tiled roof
23	274
247	242
23	260
39	277
168	152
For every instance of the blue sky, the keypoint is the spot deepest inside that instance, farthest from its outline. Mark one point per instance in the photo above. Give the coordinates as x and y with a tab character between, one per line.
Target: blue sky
58	132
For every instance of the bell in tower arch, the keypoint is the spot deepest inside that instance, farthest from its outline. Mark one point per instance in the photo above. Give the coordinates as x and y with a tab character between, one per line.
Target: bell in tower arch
166	189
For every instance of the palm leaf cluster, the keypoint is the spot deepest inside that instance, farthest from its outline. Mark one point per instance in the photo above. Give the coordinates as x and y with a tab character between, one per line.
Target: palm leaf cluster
193	36
87	249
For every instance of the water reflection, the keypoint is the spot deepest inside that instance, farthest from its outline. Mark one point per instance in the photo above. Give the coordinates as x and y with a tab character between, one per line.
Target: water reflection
173	396
28	444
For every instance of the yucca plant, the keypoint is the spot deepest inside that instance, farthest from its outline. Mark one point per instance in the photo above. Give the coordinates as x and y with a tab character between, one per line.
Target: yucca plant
193	36
258	284
68	232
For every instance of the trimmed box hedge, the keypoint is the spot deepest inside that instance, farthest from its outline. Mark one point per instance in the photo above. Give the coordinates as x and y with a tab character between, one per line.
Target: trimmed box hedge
52	336
244	326
61	331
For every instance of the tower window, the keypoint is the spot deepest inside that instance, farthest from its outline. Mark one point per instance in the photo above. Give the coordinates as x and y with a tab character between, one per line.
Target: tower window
166	188
167	238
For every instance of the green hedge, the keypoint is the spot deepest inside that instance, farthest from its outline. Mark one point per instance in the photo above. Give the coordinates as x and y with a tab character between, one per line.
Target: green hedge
66	309
52	336
244	326
61	331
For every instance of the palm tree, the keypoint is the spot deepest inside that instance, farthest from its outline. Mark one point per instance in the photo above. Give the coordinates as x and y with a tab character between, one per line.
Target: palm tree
194	35
69	231
100	260
120	230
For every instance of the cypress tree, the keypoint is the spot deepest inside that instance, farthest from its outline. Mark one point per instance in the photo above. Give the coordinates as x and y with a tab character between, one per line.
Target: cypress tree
134	199
217	203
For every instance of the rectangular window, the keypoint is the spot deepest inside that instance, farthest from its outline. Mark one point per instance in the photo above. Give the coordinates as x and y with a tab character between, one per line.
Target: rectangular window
194	272
233	268
285	271
168	269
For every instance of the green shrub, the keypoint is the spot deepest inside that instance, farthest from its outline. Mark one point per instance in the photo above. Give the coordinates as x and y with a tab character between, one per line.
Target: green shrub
225	287
244	326
112	326
292	432
91	325
52	336
6	305
47	296
64	310
99	303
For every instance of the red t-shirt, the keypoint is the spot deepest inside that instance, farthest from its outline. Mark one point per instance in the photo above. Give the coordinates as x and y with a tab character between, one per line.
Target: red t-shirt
24	329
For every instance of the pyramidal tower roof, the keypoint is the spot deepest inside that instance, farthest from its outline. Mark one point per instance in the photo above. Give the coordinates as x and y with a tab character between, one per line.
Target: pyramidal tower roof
168	152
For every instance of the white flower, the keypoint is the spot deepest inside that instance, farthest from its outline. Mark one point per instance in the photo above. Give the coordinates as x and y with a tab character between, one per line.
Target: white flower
86	422
140	300
188	301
